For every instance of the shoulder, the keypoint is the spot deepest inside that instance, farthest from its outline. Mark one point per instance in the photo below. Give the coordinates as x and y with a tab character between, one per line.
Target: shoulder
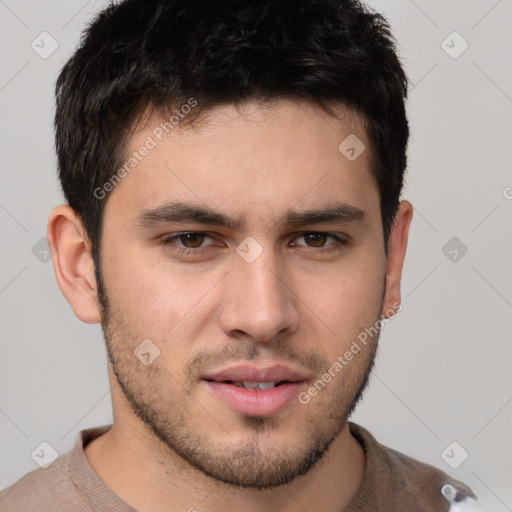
44	490
399	482
426	485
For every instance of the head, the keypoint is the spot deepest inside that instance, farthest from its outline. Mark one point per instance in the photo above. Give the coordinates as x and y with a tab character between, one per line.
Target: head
231	122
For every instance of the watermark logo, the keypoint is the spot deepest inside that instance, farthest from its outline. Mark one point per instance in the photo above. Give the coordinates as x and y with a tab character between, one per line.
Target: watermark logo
146	352
454	249
44	455
454	455
249	250
454	45
352	147
44	45
41	250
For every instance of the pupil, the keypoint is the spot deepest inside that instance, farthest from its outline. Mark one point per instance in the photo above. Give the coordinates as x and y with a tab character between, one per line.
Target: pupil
318	239
192	239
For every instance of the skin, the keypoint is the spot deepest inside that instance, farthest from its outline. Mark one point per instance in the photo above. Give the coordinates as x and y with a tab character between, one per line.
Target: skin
297	304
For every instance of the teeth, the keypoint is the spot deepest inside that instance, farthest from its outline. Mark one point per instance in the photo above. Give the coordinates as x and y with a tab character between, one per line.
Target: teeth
255	385
266	385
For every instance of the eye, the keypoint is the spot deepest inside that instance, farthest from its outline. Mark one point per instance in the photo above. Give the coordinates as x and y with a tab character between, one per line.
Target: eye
187	242
318	240
192	240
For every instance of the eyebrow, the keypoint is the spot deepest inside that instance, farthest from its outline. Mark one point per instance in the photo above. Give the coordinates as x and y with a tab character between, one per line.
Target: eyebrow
339	213
179	212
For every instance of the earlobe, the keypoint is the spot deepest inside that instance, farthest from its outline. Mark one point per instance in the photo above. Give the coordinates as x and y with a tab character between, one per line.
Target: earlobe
72	262
397	246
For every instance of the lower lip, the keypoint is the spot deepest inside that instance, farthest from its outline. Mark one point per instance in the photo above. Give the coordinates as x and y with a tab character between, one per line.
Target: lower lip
252	402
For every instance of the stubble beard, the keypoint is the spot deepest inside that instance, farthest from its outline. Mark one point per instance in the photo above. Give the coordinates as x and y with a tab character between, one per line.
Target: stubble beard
245	464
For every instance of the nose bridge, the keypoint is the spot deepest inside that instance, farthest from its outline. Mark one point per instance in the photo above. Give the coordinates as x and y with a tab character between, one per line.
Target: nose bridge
261	279
259	302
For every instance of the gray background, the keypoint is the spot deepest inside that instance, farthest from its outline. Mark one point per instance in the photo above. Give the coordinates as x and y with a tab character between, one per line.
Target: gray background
444	369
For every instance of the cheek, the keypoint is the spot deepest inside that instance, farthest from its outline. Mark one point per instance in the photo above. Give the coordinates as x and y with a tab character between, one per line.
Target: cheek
158	299
347	298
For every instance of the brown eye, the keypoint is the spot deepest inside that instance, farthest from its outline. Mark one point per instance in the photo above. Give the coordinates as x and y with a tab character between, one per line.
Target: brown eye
324	242
315	239
192	240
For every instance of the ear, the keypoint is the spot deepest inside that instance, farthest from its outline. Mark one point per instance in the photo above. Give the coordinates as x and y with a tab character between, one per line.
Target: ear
397	245
72	263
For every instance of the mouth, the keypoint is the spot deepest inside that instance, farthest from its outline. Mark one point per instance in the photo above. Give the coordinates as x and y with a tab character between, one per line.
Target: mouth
252	391
254	384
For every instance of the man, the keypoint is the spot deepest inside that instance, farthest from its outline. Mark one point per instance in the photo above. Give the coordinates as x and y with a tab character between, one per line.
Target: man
233	173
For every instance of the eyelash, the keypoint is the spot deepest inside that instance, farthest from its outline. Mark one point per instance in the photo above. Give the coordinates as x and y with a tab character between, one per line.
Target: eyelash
168	241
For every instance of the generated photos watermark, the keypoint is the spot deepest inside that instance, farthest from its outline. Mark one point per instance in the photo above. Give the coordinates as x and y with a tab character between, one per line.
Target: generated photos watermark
343	360
151	143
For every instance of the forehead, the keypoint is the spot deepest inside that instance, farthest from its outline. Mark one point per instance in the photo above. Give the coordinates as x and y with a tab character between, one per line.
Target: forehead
255	159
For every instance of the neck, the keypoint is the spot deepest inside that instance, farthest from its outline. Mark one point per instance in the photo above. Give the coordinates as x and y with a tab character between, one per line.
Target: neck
150	477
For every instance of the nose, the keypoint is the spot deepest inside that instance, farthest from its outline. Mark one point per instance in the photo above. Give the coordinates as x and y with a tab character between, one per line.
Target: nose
258	302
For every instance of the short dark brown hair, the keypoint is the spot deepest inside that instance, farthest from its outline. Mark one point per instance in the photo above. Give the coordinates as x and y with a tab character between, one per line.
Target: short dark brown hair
157	54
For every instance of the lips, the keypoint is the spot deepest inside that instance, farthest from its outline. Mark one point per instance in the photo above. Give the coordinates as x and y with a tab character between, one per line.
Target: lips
245	373
253	391
257	385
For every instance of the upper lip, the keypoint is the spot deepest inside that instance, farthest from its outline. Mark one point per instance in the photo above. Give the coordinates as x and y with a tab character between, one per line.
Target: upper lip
244	373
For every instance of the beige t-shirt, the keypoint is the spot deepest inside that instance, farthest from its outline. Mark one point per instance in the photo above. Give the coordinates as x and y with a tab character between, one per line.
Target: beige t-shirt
392	482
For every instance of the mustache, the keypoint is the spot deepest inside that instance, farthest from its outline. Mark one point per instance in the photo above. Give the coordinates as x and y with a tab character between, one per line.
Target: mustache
252	351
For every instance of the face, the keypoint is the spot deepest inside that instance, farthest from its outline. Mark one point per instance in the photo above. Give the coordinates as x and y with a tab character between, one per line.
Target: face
248	253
